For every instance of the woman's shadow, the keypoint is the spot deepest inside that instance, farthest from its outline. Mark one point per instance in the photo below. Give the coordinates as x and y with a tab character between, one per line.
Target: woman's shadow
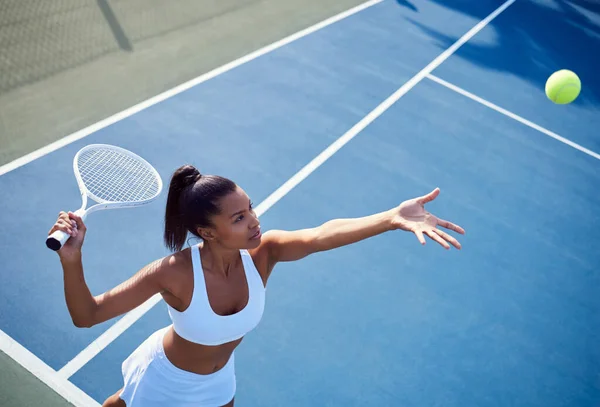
564	36
407	4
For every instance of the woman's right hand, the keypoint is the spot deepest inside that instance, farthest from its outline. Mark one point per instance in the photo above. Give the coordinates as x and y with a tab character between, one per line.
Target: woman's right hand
73	225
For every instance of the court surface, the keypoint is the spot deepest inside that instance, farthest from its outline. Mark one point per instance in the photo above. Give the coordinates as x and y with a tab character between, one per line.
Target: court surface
392	99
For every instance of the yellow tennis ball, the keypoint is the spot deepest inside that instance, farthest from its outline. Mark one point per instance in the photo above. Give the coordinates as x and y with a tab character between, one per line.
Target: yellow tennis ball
563	87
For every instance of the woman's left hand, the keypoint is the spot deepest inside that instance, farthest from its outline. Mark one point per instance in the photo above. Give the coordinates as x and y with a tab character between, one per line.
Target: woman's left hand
412	217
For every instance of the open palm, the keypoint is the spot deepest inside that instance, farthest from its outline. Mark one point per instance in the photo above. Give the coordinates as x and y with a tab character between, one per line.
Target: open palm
412	217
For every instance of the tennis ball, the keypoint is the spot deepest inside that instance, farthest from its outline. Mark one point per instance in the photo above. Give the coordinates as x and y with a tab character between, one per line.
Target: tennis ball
563	87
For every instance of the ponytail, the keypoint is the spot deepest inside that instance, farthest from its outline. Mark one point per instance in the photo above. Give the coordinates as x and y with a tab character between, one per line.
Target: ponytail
191	202
175	228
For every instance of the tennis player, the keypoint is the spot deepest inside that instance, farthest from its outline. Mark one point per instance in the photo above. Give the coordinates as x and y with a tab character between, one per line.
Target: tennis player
215	291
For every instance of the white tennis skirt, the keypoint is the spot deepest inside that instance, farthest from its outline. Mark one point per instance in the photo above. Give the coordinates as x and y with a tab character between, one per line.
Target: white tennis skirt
151	380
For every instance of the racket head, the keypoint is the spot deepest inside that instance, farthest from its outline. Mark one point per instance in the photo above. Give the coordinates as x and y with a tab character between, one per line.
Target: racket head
114	176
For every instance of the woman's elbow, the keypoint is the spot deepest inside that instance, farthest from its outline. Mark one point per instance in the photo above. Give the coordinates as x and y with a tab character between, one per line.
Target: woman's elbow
82	323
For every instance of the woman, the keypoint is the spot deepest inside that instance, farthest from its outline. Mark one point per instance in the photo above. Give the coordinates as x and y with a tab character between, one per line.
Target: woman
215	291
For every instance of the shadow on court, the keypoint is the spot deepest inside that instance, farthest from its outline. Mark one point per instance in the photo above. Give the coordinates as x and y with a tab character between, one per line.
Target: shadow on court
563	34
407	4
39	39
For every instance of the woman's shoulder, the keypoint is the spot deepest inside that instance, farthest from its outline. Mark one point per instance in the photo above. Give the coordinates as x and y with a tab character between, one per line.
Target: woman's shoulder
167	268
261	256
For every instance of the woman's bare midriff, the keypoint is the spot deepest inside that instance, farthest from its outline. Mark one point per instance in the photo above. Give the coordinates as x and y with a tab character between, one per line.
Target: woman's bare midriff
196	358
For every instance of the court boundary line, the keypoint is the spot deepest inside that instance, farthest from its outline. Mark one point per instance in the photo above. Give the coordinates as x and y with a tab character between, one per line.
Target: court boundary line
45	373
78	135
512	115
52	378
118	328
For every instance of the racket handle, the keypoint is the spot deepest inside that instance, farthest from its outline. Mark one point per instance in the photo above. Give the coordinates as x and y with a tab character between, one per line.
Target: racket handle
57	239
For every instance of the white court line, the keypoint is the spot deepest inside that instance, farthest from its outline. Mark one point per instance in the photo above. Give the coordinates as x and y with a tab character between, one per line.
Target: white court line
112	333
178	89
513	116
45	373
117	329
56	380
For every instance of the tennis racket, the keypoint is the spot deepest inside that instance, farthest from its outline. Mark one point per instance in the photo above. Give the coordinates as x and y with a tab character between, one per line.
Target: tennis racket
113	177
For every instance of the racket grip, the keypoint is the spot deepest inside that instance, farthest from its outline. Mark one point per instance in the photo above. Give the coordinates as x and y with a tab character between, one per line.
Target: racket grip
57	239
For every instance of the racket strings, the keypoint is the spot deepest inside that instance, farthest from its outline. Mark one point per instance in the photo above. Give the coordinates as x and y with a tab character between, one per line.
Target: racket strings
112	176
120	181
120	178
99	172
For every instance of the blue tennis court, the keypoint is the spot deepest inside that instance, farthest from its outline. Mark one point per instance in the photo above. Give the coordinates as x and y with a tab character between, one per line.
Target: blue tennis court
511	319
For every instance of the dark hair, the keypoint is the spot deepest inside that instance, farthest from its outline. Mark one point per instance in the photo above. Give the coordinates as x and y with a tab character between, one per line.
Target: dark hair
192	201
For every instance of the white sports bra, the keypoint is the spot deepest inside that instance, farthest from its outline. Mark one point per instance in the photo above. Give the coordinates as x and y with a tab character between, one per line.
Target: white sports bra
200	324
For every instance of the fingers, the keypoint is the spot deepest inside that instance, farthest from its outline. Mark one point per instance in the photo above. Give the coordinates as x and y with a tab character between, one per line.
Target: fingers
429	197
450	226
63	224
447	238
68	223
437	238
77	220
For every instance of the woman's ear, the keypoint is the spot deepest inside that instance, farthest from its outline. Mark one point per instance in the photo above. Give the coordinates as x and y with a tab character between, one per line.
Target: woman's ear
206	233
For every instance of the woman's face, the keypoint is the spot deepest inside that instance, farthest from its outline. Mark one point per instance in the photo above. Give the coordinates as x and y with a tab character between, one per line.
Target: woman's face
237	226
